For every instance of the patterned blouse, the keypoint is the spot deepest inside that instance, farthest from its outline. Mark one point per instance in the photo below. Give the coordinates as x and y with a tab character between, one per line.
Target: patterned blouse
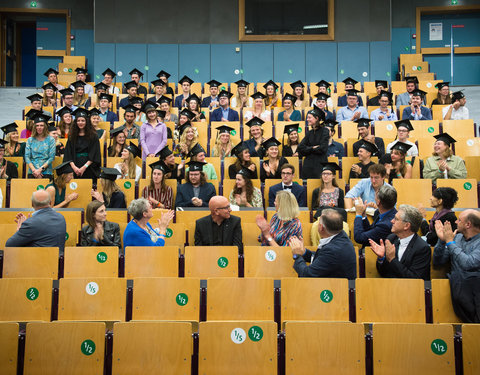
329	199
256	198
282	231
40	152
163	196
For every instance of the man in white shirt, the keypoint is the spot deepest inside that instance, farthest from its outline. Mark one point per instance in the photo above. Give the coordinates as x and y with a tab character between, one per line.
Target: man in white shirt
82	76
108	76
456	110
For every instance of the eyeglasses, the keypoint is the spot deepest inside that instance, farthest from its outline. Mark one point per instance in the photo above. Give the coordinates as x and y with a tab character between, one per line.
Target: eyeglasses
327	173
287	173
224	208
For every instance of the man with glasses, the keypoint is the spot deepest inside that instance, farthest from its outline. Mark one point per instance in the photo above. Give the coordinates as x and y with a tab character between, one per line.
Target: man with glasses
404	254
196	192
287	173
219	228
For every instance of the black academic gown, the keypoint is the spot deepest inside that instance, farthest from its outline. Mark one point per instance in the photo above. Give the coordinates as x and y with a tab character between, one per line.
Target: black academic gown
314	158
84	150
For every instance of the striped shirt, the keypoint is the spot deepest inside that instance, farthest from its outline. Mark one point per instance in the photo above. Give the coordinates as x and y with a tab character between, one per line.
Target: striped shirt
282	231
164	196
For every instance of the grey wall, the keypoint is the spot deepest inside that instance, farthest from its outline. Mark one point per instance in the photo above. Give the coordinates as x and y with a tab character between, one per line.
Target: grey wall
81	10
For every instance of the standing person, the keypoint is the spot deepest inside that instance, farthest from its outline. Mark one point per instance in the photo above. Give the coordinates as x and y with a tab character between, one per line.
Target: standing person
58	187
128	168
157	192
7	168
290	113
111	194
242	99
244	194
83	147
255	132
290	149
224	112
12	147
243	160
416	111
443	95
271	167
40	150
196	192
98	231
45	228
258	108
404	127
314	146
153	133
457	110
211	101
180	100
223	144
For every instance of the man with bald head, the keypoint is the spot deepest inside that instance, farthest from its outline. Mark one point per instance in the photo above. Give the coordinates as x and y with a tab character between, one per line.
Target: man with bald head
219	228
43	228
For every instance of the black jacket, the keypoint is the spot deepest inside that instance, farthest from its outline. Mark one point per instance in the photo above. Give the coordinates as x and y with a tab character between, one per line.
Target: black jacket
111	235
232	232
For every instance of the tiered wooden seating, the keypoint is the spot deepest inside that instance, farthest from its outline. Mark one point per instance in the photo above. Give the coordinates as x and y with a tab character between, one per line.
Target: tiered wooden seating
371	263
471	348
18	161
405	187
83	187
465	147
22	189
442	302
95	261
9	345
314	183
34	262
466	189
151	261
211	261
261	261
460	128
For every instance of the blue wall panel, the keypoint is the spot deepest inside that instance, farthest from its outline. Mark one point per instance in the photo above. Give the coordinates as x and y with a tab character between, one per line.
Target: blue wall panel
353	61
43	63
128	57
83	45
257	62
194	61
104	58
288	62
466	69
401	44
226	62
321	61
380	61
162	57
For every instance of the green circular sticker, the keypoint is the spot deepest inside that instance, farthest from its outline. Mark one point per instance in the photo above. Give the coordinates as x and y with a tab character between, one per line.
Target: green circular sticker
88	347
40	187
147	67
32	294
299	130
97	76
169	233
127	185
342	71
181	299
419	68
102	257
290	71
233	132
196	71
388	74
406	48
467	185
326	296
255	333
223	88
70	70
222	262
241	71
439	347
66	236
431	129
16	164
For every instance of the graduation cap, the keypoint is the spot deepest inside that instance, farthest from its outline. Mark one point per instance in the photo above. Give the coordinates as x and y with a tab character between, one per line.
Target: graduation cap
101	86
322	96
363	122
158	82
238	149
405	124
194	97
330	123
214	83
258	95
62	111
130	108
225	93
2	143
133	148
163	73
323	83
81	70
386	94
161	113
136	71
418	92
67	91
78	84
130	84
296	84
164	99
115	131
95	112
457	95
9	128
110	72
352	92
247	173
242	83
32	113
271	83
50	86
272	141
50	71
35	97
350	81
197	149
195	166
290	128
184	127
255	121
81	112
445	138
187	113
109	173
224	129
413	79
402	147
64	168
379	82
136	100
52	127
288	96
370	147
317	112
40	117
159	164
332	167
441	85
186	79
163	153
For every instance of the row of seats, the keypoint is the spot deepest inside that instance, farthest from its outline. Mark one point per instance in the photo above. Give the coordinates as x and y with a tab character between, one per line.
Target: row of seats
238	347
226	298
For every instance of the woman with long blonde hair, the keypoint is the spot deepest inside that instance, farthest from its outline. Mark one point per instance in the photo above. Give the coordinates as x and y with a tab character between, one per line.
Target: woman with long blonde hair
259	109
79	96
128	167
273	97
223	144
188	139
241	99
13	147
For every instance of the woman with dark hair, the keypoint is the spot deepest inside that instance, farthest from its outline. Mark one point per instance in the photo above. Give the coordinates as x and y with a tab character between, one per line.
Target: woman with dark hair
98	231
157	192
243	160
290	113
328	194
111	194
443	95
290	149
65	122
117	142
273	162
301	100
395	163
193	104
57	188
244	194
273	98
442	200
83	147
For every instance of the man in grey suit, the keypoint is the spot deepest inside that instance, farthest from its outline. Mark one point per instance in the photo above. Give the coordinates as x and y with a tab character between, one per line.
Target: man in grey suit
219	228
45	227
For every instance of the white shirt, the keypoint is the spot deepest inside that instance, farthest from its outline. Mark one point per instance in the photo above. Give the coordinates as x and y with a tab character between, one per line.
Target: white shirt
412	151
457	114
138	171
403	246
329	103
1	198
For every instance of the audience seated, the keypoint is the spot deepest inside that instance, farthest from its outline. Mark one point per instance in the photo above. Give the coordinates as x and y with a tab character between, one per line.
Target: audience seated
196	192
157	192
404	127
395	163
98	231
416	111
456	110
244	194
363	128
352	109
328	194
287	172
367	188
